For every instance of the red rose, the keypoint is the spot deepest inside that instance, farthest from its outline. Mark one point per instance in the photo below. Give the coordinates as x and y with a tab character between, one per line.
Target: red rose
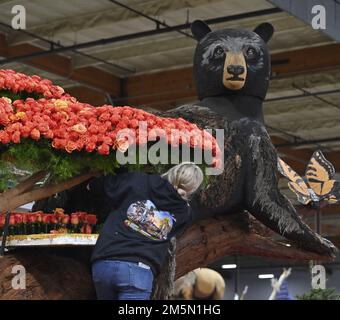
115	118
25	131
104	149
46	218
24	217
79	128
35	134
39	216
105	116
2	220
134	123
32	217
4	119
48	134
16	137
18	218
59	212
81	215
91	219
74	219
59	143
127	113
54	219
4	137
12	220
90	146
65	219
93	129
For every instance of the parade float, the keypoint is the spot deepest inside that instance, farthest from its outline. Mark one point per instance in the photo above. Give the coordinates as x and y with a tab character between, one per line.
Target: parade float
63	143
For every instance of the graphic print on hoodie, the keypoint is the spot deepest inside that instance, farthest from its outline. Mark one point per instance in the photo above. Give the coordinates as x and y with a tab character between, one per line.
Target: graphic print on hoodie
145	218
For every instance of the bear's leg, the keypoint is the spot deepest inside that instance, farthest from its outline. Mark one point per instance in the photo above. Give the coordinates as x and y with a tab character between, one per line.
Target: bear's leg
266	203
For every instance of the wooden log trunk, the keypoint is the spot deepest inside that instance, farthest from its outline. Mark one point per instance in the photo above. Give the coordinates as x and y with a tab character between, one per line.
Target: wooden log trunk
64	273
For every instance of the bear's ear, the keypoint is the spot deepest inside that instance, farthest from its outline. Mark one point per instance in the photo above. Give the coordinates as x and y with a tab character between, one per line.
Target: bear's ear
199	29
265	31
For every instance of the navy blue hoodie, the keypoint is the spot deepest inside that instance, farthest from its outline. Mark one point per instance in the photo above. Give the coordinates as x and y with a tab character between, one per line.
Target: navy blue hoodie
147	212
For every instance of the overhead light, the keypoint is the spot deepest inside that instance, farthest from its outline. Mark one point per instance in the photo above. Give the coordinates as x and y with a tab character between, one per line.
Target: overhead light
266	276
288	245
229	266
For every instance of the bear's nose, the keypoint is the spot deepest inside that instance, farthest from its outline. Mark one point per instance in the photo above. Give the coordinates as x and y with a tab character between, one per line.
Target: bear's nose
235	69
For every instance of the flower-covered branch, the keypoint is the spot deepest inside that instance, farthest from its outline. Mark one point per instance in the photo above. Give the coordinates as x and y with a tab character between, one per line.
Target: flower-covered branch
42	128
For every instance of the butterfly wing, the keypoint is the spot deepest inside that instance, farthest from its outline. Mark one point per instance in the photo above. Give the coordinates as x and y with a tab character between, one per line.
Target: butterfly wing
319	174
296	183
301	196
334	195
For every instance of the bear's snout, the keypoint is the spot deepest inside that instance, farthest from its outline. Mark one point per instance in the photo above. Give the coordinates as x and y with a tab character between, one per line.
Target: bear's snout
235	71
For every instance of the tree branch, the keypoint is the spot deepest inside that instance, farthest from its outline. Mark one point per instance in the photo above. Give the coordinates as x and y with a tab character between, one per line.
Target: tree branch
211	239
20	198
24	185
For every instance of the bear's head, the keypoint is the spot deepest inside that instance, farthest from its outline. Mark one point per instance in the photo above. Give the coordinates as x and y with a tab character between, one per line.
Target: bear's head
231	61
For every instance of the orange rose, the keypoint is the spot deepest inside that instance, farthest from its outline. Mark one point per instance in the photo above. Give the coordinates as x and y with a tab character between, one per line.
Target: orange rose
74	219
104	149
70	146
35	134
65	219
79	128
90	146
61	104
122	145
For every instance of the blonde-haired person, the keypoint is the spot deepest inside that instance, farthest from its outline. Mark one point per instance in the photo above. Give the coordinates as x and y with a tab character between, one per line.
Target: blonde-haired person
186	178
147	211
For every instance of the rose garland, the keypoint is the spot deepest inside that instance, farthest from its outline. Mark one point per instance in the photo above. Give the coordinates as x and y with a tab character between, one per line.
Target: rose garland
72	125
56	222
39	122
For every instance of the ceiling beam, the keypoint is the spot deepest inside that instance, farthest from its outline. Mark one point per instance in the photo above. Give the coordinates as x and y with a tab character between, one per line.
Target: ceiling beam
87	95
326	211
141	34
104	18
144	49
167	87
62	66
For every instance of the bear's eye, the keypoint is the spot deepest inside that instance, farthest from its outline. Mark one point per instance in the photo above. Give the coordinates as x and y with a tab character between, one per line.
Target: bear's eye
251	53
218	52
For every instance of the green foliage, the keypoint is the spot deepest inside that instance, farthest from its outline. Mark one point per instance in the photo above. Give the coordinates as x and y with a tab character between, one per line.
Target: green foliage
33	156
39	155
6	176
320	294
21	95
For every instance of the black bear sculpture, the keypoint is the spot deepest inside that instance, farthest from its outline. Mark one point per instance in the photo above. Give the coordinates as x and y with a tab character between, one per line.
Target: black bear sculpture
232	73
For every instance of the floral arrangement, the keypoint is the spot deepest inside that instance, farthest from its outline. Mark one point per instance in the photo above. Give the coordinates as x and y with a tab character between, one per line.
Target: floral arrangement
42	128
19	83
21	223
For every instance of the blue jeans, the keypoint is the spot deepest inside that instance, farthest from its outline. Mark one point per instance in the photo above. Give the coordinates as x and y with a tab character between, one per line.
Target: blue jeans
121	280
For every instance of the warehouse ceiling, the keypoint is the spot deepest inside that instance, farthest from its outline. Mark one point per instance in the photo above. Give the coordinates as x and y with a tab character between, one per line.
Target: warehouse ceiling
146	61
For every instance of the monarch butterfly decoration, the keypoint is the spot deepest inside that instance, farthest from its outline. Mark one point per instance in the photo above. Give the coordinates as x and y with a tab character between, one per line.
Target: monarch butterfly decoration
319	187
